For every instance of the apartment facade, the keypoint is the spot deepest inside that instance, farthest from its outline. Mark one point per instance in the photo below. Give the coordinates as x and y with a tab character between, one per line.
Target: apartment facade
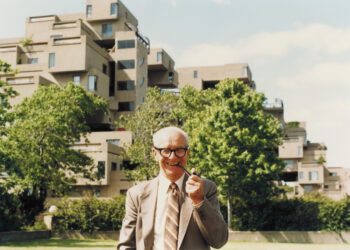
306	162
103	51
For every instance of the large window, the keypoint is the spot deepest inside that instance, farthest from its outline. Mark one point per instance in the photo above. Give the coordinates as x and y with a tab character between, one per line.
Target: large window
101	168
114	9
159	56
313	176
126	44
107	29
126	64
76	79
88	10
125	85
301	176
52	60
126	106
170	76
195	74
92	84
114	141
33	60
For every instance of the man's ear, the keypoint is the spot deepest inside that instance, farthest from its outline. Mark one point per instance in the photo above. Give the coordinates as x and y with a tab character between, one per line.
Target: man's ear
154	152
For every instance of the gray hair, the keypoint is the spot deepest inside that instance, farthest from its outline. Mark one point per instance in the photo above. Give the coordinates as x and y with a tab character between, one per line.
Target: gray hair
165	130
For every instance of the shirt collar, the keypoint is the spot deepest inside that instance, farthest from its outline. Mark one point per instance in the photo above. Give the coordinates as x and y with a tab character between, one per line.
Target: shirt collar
164	182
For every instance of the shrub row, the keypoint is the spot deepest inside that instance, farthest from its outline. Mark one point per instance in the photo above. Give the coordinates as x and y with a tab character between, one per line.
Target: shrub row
299	214
90	214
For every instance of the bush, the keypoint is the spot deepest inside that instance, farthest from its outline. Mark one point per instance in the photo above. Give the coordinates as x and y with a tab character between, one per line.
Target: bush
90	214
10	216
310	213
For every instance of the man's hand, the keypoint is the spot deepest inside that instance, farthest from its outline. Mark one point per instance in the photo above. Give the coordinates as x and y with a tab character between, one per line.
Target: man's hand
194	188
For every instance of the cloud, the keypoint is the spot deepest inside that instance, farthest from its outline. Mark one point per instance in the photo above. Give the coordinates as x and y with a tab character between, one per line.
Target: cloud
322	74
320	39
222	1
173	3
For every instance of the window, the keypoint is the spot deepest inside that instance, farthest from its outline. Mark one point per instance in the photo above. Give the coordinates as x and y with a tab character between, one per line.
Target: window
92	85
114	166
88	10
159	56
52	60
308	188
22	80
142	61
101	169
141	81
104	68
114	9
127	165
114	141
289	164
62	41
126	106
32	60
107	29
126	44
326	186
76	80
301	176
195	73
97	193
170	76
300	151
313	176
125	85
123	191
126	64
333	174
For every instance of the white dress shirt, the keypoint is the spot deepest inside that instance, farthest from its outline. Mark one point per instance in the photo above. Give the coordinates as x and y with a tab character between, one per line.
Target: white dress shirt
159	222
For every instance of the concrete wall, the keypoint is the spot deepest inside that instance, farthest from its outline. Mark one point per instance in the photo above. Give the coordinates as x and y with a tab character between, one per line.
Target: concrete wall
239	236
21	235
291	237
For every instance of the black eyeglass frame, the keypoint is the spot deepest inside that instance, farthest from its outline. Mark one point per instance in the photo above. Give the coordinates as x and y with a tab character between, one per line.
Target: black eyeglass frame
171	151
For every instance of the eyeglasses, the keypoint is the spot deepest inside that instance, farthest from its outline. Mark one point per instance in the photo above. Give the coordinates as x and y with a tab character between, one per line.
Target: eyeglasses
166	152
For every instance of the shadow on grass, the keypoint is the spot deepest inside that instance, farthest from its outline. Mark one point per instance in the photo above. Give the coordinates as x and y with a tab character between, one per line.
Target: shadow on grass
64	243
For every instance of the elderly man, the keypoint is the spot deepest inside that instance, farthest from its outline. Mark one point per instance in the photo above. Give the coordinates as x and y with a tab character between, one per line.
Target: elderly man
175	210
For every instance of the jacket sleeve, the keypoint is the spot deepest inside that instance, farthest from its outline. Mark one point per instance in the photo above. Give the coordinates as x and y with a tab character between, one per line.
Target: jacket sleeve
127	238
209	218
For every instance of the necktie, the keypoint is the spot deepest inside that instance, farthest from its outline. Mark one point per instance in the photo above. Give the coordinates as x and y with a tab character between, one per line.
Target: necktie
172	219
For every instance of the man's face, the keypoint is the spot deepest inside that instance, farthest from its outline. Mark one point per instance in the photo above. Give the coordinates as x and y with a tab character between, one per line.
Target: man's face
171	140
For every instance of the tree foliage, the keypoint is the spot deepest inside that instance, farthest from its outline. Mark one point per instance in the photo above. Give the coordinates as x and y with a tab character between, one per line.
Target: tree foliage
149	117
37	144
6	93
234	143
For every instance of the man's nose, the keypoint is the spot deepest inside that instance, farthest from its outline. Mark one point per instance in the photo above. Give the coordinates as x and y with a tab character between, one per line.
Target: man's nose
172	155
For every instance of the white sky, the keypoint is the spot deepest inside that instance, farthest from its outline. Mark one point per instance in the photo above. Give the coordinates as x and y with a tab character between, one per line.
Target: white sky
297	50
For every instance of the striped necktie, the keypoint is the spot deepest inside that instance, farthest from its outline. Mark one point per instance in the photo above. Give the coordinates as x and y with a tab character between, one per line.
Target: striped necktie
172	219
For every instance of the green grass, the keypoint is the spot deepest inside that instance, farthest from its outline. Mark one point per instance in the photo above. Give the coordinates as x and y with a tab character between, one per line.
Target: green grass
55	243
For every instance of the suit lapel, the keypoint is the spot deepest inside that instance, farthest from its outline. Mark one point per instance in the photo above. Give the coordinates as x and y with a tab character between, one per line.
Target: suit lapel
148	205
185	213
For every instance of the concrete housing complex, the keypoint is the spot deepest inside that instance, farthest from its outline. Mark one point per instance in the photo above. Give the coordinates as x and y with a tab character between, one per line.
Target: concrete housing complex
103	51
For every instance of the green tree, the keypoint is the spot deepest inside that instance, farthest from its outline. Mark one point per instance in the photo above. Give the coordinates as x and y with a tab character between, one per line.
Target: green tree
149	117
234	143
38	143
6	92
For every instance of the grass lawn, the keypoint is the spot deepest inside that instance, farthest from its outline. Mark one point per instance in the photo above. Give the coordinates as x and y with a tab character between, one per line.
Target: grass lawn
55	243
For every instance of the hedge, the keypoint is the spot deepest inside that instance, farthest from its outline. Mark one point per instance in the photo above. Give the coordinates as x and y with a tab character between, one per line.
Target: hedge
90	214
314	213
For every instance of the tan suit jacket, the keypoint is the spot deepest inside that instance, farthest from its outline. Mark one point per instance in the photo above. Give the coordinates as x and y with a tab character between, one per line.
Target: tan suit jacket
199	228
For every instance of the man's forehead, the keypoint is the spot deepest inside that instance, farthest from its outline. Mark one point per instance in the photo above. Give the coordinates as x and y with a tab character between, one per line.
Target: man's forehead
171	137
